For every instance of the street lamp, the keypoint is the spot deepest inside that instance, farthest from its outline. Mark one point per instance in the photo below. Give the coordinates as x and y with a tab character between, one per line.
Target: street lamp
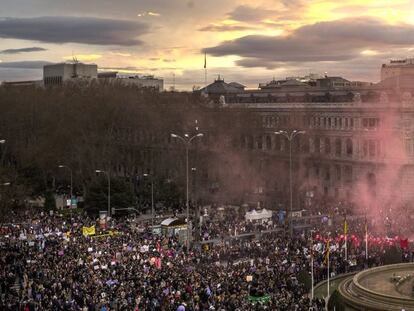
152	196
187	143
71	182
109	189
290	136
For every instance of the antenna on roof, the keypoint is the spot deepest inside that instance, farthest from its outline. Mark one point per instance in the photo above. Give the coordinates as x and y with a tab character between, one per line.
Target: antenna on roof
74	59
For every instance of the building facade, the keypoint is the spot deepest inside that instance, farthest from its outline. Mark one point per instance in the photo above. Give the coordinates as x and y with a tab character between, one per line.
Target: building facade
57	74
357	145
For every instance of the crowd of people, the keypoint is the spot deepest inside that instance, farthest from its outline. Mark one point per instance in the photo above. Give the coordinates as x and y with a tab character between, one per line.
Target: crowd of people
47	264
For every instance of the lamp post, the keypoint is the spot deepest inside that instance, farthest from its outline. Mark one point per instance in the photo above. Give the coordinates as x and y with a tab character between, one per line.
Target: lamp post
290	136
109	189
311	264
152	196
71	181
187	143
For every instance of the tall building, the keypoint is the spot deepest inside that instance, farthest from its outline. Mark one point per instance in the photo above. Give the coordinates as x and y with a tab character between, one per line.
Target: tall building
57	74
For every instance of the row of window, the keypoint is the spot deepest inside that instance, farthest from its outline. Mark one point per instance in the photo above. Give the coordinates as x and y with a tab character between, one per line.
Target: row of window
53	80
328	173
321	122
370	148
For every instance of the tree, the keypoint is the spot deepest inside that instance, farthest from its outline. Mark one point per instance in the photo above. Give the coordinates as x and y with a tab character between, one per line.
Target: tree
97	195
50	202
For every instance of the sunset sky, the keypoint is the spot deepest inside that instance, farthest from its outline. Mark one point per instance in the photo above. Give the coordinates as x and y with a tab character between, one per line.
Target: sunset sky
246	41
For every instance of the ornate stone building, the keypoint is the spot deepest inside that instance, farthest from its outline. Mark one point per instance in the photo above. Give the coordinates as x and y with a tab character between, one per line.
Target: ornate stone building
358	142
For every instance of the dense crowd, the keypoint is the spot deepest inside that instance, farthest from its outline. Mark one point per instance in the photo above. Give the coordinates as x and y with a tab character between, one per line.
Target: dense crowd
47	264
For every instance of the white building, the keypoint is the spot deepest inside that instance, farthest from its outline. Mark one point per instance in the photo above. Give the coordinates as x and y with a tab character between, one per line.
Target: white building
57	74
133	80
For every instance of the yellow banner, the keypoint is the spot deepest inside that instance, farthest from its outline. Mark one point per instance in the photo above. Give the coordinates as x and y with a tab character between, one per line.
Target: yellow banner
88	230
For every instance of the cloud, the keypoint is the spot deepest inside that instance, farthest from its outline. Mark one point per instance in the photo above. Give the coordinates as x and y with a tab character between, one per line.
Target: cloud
22	50
339	40
224	27
148	13
83	57
64	29
36	64
122	54
244	13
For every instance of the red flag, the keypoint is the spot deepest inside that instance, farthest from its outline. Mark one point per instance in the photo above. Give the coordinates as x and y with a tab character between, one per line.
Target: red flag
404	243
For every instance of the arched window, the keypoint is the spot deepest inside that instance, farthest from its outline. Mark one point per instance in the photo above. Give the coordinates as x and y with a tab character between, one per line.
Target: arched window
338	147
327	145
349	147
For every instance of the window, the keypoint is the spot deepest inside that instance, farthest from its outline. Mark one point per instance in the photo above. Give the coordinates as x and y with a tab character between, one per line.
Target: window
317	144
242	141
250	142
306	146
327	173
348	173
365	148
371	148
338	172
349	147
259	142
268	142
317	170
338	147
278	144
327	145
296	144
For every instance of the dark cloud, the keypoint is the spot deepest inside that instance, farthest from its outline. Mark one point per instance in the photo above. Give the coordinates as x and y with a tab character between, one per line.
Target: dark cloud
223	28
35	64
23	50
339	40
64	29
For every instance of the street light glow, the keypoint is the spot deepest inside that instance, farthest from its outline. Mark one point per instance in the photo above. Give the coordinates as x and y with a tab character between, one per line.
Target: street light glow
200	135
2	141
174	135
99	171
